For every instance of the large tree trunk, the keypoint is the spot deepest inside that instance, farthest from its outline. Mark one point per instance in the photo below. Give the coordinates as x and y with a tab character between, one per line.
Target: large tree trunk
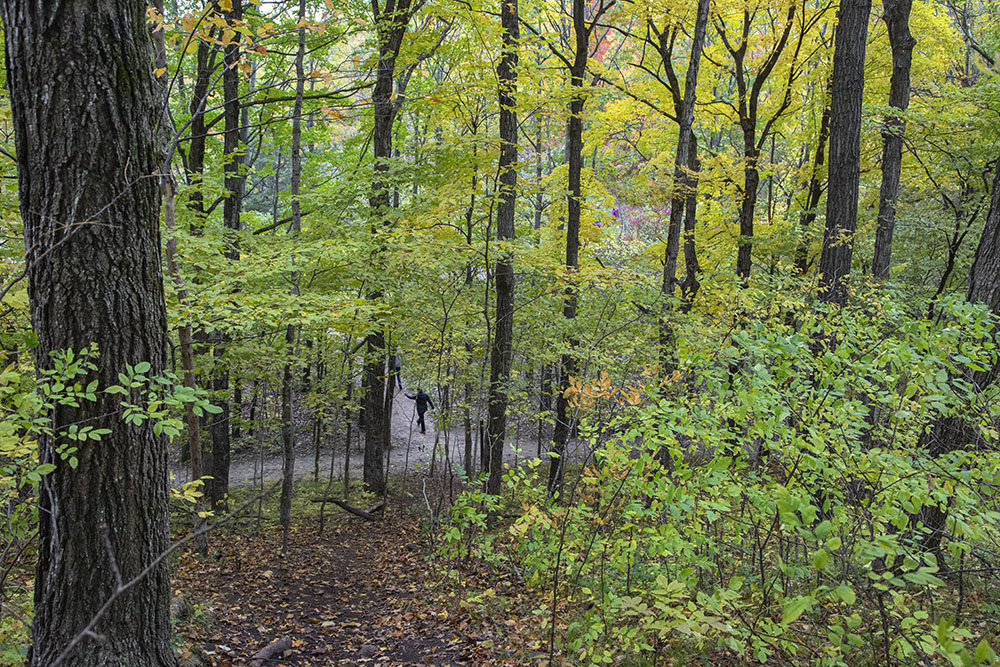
845	150
500	356
897	19
84	110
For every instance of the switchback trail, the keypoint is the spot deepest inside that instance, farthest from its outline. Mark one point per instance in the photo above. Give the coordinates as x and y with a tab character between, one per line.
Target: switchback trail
412	451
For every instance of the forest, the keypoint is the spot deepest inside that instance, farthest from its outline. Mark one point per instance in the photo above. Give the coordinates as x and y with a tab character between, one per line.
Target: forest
500	332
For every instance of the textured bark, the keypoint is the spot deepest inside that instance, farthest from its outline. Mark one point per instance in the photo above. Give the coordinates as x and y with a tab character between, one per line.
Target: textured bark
85	116
391	21
690	284
897	20
845	150
815	190
374	382
500	354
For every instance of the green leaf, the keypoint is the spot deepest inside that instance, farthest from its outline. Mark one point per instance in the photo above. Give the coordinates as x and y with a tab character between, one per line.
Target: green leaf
984	653
142	367
795	608
846	593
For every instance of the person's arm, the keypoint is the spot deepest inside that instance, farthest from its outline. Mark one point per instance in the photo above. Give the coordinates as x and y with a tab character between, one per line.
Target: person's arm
409	395
430	404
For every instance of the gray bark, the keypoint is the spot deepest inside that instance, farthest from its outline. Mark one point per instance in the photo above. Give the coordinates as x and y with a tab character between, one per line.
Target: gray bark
85	115
845	150
897	20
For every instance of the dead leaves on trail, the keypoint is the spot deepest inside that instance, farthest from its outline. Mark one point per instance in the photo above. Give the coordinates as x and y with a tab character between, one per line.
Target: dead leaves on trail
363	594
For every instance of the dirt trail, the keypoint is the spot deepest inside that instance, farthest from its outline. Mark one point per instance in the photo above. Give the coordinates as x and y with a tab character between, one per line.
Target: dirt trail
361	593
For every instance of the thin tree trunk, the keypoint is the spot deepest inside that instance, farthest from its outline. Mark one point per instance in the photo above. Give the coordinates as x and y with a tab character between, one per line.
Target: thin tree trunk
291	332
683	182
897	19
231	208
347	436
574	152
690	284
500	356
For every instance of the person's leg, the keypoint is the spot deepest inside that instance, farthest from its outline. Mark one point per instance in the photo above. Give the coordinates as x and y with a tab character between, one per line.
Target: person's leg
420	422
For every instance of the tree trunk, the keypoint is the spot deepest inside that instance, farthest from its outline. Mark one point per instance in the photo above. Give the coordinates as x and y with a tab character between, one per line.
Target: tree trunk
291	332
683	182
231	208
500	356
845	150
85	119
390	23
751	180
196	148
574	157
897	20
690	284
374	381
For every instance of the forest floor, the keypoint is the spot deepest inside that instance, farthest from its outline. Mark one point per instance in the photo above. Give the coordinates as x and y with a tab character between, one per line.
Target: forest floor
361	592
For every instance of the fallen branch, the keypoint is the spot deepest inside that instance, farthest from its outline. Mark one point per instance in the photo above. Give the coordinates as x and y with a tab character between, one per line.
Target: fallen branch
272	650
370	515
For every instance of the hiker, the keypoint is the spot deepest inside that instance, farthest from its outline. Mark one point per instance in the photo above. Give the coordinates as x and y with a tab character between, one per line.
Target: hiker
423	400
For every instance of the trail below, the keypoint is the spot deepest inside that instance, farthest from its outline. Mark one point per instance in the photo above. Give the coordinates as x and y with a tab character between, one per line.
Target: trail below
412	452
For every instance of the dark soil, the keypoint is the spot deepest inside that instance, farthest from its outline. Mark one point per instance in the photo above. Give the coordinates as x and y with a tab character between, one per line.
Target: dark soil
364	593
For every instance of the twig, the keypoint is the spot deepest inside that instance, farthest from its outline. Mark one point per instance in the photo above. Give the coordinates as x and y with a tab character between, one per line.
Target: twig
272	650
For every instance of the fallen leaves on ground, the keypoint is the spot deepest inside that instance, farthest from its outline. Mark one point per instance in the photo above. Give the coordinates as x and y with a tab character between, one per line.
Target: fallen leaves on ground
364	593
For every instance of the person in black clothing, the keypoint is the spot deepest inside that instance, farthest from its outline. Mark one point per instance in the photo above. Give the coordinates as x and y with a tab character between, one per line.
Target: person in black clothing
423	400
